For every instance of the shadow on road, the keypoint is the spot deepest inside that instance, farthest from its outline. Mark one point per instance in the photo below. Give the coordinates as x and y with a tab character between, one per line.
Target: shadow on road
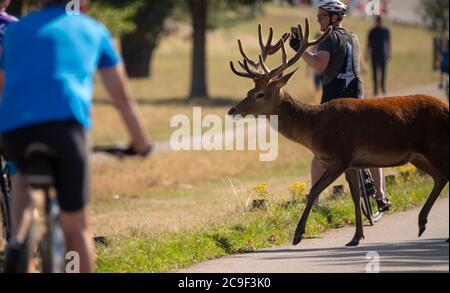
420	254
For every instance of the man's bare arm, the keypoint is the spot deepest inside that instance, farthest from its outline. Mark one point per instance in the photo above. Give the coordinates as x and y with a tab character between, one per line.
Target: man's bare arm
116	83
319	63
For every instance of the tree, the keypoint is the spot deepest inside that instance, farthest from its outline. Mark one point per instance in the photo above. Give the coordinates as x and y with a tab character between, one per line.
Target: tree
210	14
199	13
140	24
115	15
435	13
138	46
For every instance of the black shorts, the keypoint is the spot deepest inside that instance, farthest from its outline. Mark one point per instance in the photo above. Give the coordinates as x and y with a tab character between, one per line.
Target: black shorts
68	139
337	90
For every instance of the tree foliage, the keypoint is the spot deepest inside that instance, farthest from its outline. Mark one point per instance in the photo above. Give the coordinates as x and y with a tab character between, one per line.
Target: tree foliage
140	25
435	13
221	13
118	17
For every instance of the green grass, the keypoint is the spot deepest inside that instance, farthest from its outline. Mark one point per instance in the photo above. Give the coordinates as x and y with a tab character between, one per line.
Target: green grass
242	233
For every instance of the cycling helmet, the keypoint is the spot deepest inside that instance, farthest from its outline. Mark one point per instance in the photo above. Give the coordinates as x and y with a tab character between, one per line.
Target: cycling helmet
333	6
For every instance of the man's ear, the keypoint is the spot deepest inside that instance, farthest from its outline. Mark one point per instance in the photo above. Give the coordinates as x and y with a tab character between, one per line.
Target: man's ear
284	80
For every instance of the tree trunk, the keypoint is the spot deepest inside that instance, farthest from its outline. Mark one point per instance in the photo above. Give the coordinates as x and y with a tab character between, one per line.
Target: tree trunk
138	46
199	12
137	51
15	8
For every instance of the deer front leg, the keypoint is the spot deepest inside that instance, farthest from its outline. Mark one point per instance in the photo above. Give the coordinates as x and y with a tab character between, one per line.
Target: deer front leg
329	176
353	182
439	185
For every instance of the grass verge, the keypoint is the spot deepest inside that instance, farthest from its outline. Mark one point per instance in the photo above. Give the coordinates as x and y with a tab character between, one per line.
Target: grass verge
243	233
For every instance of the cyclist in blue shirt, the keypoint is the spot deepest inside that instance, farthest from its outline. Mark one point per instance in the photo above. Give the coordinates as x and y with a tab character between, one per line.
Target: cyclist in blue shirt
48	66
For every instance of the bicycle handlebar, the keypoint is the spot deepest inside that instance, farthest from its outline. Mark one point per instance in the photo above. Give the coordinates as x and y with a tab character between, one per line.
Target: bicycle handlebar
121	151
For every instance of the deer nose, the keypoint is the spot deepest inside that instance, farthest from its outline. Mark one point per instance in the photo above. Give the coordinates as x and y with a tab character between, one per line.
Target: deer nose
232	112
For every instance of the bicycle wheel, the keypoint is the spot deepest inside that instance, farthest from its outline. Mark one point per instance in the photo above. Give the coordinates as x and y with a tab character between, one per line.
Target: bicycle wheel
368	201
4	210
4	221
52	246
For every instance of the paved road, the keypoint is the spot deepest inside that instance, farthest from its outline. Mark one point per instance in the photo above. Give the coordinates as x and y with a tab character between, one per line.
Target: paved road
431	90
394	239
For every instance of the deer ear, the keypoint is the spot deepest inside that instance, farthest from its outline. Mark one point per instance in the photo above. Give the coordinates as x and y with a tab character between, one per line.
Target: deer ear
282	81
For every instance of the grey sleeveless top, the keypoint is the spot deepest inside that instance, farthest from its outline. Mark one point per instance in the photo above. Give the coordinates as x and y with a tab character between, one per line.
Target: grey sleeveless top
344	50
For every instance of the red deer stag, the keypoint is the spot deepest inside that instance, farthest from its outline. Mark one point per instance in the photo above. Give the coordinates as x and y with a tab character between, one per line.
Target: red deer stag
349	134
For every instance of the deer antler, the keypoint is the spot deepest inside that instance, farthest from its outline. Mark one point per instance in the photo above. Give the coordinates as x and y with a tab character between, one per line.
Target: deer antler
305	44
260	69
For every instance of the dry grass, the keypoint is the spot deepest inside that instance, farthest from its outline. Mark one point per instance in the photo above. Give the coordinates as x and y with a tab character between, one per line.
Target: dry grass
181	190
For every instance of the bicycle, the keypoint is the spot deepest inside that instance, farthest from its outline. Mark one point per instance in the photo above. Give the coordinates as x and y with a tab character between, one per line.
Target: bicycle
39	175
368	197
5	202
48	243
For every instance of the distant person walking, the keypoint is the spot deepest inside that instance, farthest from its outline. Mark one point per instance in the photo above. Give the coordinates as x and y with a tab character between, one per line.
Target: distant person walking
379	50
442	64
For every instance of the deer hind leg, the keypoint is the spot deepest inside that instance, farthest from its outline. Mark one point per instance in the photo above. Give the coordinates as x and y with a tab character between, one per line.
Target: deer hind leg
352	179
439	183
329	176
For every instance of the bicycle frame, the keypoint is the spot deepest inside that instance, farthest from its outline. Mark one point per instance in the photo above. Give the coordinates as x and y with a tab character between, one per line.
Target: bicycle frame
40	176
52	245
368	198
5	200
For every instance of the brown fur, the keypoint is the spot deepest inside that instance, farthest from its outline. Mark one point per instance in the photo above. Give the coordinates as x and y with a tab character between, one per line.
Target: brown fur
404	126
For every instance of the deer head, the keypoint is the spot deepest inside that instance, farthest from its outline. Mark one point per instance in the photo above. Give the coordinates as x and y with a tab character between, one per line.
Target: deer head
265	96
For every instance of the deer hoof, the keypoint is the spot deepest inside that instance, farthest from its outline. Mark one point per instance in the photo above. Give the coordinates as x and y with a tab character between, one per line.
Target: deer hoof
421	230
422	225
297	240
353	243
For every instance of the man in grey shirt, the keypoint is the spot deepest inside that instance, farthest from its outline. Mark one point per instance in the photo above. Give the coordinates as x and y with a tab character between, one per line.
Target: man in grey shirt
338	59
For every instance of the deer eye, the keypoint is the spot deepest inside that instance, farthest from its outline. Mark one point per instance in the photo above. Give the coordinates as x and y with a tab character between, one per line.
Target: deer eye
260	96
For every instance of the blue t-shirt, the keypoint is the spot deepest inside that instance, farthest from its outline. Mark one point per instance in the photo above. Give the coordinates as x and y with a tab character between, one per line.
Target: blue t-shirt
50	59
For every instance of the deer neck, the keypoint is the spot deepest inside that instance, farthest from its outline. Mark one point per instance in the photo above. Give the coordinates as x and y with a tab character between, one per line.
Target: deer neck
296	120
